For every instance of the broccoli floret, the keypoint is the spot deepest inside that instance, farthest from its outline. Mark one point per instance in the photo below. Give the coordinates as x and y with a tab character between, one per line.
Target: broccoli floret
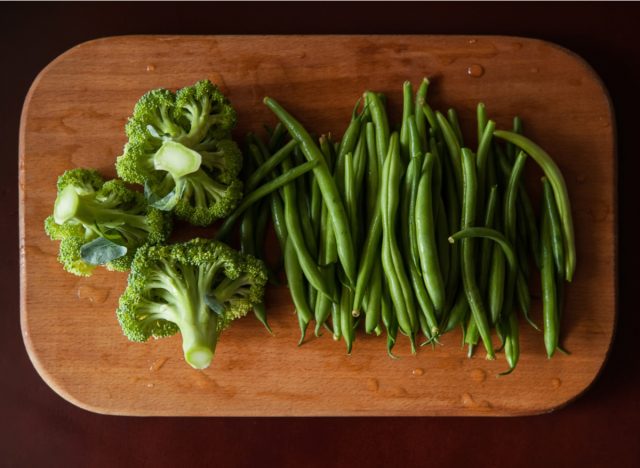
197	288
88	208
180	149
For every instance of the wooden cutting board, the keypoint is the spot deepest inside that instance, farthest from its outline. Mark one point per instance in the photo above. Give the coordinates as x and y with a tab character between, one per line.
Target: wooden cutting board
74	116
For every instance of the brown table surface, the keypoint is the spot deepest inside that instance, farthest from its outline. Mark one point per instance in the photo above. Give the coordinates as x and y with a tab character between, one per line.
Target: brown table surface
39	428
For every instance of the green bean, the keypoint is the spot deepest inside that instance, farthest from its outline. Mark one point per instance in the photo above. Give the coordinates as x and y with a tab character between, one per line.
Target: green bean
484	147
426	306
328	188
510	198
322	311
381	123
433	121
368	258
457	313
260	311
346	318
524	298
389	319
437	174
247	232
269	165
412	180
336	320
468	261
453	218
372	317
261	192
517	128
275	139
323	304
262	218
481	118
328	239
487	247
295	280
506	247
442	229
548	285
373	172
427	317
523	242
511	195
453	146
351	134
496	286
275	201
401	294
561	195
359	164
277	218
471	336
351	201
554	226
427	249
512	343
407	114
452	116
526	209
496	236
421	123
303	207
297	236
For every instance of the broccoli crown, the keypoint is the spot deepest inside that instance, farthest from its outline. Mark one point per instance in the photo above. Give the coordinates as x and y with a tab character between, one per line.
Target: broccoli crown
88	208
180	148
197	287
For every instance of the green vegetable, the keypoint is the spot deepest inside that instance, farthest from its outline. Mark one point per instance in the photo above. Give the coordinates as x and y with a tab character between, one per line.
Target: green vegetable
101	223
197	288
328	188
561	195
180	149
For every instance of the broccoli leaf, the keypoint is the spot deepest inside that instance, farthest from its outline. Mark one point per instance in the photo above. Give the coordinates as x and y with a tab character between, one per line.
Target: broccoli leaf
101	251
214	304
166	203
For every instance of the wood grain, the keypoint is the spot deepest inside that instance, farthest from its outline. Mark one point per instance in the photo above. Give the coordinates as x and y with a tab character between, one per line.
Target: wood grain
74	116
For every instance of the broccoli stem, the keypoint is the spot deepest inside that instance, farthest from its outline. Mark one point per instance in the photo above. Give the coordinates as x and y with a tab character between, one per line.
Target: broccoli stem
66	205
177	159
186	308
84	209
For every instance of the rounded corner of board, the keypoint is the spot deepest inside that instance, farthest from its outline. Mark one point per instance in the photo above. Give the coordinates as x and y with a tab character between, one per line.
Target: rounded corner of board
58	388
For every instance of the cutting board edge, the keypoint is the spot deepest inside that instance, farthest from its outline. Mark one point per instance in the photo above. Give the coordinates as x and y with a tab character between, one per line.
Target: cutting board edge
50	379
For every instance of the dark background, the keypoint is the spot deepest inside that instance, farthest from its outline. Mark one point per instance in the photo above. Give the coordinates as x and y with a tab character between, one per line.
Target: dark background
38	428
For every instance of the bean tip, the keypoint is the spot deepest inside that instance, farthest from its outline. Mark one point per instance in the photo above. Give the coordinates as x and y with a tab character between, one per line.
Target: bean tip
451	240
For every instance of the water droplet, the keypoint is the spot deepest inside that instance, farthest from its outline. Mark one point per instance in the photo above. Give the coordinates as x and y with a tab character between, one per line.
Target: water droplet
149	385
157	364
418	371
467	400
373	385
151	67
472	41
93	295
555	383
478	375
475	71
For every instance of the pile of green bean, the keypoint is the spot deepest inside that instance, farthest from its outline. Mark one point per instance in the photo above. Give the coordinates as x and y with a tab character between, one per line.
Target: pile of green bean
410	230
